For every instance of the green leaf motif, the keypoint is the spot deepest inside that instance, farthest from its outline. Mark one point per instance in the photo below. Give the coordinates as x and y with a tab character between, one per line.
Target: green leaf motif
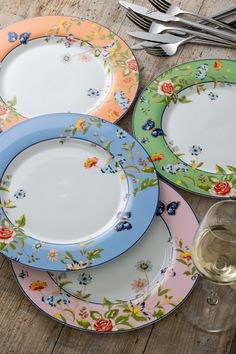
148	169
231	168
213	179
83	323
163	292
94	254
2	246
71	312
13	247
158	314
184	99
107	302
95	315
220	170
4	189
138	318
204	187
182	261
111	314
64	282
21	221
69	255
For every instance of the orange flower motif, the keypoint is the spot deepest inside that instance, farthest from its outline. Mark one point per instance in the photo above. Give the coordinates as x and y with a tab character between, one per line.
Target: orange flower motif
80	124
38	285
157	157
90	162
186	255
218	64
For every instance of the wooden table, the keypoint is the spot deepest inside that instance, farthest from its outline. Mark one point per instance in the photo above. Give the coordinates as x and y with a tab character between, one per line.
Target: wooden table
23	328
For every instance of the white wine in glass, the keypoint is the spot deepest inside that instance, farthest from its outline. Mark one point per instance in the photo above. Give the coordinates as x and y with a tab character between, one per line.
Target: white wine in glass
214	255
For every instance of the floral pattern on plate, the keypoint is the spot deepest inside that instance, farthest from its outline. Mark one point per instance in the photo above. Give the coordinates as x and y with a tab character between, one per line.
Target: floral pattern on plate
108	316
163	93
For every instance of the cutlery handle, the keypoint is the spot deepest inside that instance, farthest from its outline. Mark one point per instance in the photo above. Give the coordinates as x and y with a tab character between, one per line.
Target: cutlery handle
199	34
223	14
194	40
215	22
212	30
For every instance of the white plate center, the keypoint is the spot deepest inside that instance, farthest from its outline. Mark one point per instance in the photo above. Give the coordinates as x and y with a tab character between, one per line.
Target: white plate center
130	276
50	77
204	130
63	197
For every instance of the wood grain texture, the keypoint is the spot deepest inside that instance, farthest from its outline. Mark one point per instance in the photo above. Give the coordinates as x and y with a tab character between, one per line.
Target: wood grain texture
26	330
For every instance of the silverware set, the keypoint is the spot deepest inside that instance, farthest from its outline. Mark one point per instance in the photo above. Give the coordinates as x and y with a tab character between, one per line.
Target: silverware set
162	38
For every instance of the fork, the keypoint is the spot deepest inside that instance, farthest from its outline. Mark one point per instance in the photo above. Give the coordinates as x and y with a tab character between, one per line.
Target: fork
145	24
165	7
165	50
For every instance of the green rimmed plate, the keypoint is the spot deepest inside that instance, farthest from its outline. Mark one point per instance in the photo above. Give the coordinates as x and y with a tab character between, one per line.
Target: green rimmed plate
185	120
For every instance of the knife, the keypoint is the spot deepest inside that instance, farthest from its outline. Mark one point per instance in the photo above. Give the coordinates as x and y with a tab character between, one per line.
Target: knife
159	16
167	38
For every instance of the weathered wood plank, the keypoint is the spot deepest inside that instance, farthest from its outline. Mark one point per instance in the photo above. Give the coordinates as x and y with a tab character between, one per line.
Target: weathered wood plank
23	328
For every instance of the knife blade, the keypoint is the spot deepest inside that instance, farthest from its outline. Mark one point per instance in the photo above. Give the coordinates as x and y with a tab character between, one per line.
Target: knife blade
155	37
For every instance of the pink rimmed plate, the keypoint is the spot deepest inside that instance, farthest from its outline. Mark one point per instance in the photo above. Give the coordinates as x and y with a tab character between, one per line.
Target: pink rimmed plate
139	288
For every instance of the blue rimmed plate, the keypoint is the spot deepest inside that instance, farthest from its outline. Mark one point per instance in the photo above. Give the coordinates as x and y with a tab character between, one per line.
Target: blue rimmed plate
76	191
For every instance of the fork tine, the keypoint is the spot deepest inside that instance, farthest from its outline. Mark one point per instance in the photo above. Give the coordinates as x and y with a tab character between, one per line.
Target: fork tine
164	2
158	6
156	50
161	4
157	54
140	17
137	22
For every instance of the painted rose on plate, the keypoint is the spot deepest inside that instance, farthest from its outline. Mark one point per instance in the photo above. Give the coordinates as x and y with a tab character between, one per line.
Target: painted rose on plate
223	189
166	88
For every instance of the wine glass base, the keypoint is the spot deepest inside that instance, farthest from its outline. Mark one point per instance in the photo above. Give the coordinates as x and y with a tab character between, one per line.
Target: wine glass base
212	307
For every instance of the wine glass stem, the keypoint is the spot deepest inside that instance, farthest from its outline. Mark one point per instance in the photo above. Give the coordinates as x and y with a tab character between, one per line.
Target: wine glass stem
212	298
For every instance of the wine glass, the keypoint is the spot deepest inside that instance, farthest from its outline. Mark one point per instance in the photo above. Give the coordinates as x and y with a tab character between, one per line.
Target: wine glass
214	255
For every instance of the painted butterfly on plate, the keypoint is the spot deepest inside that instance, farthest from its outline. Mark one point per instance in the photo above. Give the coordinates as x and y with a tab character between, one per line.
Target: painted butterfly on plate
23	274
168	271
151	126
170	208
23	37
123	224
114	164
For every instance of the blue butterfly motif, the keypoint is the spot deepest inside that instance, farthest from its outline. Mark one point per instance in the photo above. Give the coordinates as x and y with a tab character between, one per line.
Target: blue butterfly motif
23	37
171	208
54	300
124	223
121	99
112	167
23	274
150	126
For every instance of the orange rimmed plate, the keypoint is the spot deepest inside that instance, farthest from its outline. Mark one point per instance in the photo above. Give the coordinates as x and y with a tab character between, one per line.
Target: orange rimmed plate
64	64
